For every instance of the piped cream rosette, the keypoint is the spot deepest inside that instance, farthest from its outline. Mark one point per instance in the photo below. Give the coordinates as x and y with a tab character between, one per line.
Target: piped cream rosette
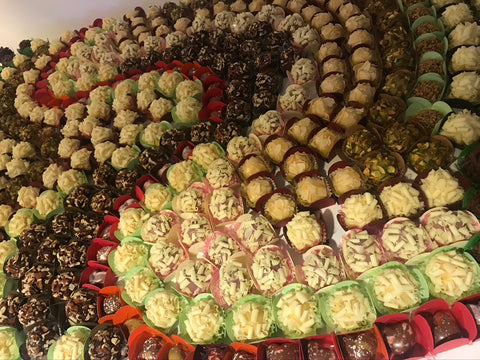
296	311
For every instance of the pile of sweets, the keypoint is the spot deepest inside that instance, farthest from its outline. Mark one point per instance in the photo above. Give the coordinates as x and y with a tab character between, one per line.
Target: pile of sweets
231	172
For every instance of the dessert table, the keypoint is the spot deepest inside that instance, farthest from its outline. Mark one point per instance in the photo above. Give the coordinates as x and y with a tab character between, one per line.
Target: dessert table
48	19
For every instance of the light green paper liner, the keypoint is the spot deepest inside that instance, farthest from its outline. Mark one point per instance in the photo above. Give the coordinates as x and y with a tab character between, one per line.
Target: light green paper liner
458	248
431	19
370	277
52	213
215	338
85	332
183	304
290	333
433	55
7	225
326	295
258	299
166	125
428	77
127	240
129	275
430	36
19	340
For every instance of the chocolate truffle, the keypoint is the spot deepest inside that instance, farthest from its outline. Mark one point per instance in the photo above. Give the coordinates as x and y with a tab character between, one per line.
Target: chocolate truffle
263	101
47	251
36	309
64	284
444	327
172	137
126	179
37	280
111	304
33	236
102	201
400	337
203	132
238	89
18	264
359	346
266	60
62	223
238	111
269	80
85	226
152	159
9	308
239	70
79	197
82	307
39	339
104	175
226	131
107	343
282	351
317	351
475	310
212	352
72	255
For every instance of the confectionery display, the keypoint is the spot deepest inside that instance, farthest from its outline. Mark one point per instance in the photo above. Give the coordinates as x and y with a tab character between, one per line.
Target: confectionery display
275	176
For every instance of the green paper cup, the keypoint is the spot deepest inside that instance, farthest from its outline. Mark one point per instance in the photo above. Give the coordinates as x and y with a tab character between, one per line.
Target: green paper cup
139	282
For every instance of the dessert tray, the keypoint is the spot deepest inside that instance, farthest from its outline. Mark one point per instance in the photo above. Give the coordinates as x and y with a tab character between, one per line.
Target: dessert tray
243	180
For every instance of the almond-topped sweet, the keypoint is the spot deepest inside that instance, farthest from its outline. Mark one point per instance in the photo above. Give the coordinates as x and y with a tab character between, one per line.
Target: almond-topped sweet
257	187
441	188
402	239
360	251
447	227
361	209
270	269
401	199
297	163
277	148
321	267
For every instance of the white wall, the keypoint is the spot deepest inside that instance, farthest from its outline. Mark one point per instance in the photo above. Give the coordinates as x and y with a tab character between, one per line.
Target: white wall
48	19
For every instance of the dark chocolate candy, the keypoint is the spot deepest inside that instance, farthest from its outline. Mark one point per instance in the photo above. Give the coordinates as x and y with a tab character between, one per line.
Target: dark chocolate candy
64	284
316	350
250	48
72	255
359	346
9	307
111	304
444	327
216	38
288	57
278	38
172	137
258	30
104	176
171	54
108	344
282	351
62	223
48	249
152	159
79	197
37	308
189	53
226	131
151	348
97	278
239	70
39	339
33	236
18	264
205	56
475	310
86	225
269	80
263	101
37	280
82	307
266	60
238	111
400	337
203	132
470	166
212	352
221	62
238	89
102	201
